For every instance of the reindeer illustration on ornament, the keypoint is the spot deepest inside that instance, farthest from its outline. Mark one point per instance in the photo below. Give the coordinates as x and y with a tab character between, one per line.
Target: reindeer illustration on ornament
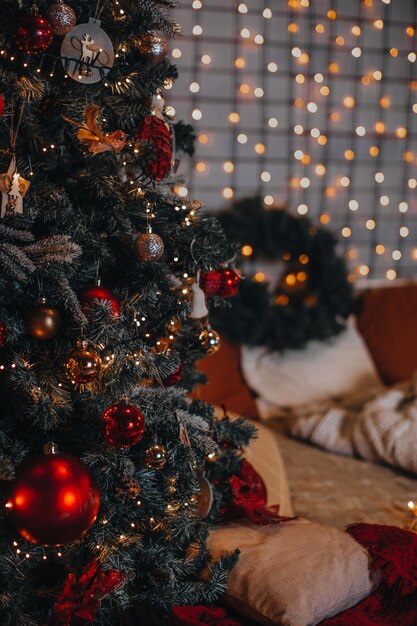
87	52
89	55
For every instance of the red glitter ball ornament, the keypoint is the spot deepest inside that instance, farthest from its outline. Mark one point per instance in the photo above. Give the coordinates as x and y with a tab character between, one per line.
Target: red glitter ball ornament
210	282
34	34
3	334
99	293
123	424
174	378
53	499
157	132
229	283
1	105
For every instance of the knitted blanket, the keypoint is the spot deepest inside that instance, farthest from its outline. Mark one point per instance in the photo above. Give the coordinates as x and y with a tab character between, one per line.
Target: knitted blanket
381	428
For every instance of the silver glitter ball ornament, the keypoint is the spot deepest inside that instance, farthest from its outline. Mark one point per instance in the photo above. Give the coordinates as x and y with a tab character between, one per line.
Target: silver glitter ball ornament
149	246
61	18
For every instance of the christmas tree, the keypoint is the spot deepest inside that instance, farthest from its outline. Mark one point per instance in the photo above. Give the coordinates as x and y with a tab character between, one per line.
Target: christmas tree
111	474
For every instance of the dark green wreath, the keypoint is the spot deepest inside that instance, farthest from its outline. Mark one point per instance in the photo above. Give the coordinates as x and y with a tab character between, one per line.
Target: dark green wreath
311	298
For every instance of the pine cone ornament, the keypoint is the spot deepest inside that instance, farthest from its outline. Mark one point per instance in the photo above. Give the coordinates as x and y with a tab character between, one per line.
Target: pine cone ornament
158	134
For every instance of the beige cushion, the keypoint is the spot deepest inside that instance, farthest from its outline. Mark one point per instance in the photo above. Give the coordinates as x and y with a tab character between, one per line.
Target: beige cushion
321	371
296	574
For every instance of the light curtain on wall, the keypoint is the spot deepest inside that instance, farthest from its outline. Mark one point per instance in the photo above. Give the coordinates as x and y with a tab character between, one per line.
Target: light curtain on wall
312	104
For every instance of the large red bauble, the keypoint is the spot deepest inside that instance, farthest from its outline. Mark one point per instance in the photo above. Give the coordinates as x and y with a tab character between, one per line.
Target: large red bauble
157	132
210	282
229	284
53	499
99	293
123	424
3	332
34	34
2	101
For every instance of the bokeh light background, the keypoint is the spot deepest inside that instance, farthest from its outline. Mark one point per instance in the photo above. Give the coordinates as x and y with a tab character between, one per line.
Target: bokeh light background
313	105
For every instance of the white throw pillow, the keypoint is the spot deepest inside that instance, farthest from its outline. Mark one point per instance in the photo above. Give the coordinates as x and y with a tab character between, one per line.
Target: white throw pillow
328	370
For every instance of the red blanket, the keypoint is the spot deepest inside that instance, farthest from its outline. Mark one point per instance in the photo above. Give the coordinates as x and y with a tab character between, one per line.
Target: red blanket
393	551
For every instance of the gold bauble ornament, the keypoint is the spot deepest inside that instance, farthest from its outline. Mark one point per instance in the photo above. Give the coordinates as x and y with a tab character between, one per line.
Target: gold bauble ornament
43	321
83	364
209	340
149	246
155	457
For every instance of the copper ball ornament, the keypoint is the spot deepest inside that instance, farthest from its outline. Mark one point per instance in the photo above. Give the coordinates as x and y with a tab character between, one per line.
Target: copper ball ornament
149	246
43	321
155	457
123	424
61	18
209	340
203	500
83	364
99	293
53	499
34	34
153	47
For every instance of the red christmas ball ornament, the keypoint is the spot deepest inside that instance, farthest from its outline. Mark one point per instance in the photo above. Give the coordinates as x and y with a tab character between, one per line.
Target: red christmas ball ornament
173	378
53	499
229	283
34	34
158	134
3	334
124	424
1	105
210	282
99	293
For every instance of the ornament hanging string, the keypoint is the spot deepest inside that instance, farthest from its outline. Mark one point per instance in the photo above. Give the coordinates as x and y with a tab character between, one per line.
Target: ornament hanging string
101	5
14	133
